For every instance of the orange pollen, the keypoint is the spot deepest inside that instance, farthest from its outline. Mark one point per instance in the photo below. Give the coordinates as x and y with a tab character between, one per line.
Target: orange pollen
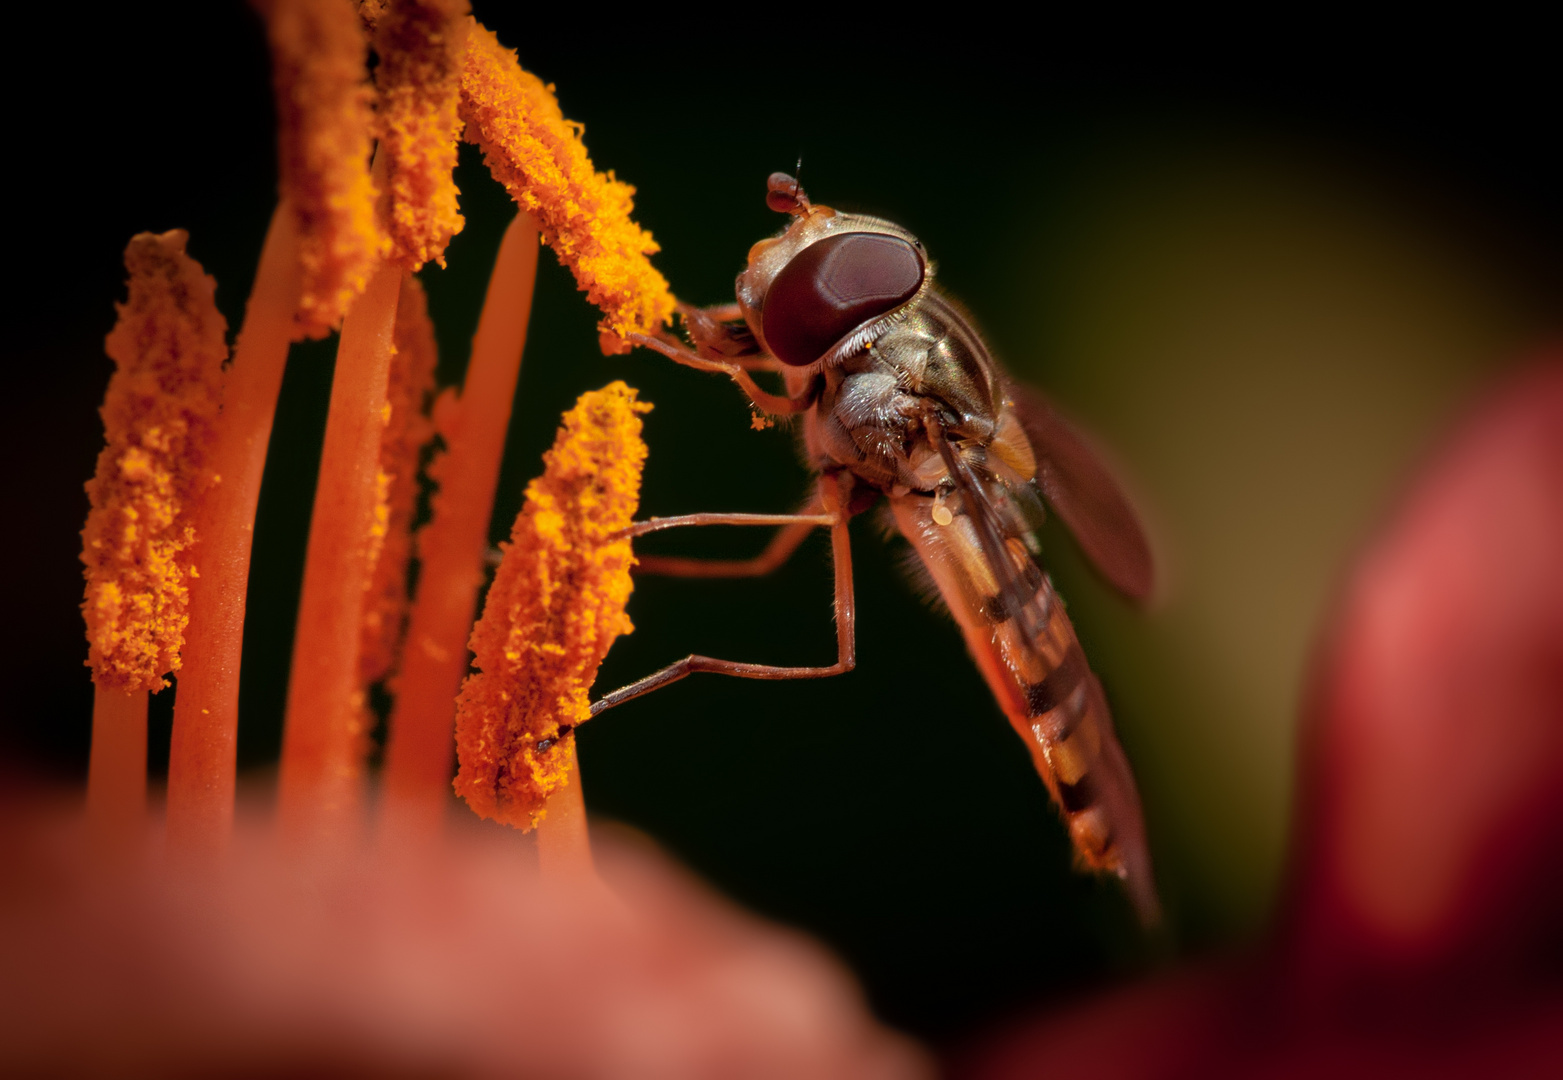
324	135
420	45
555	608
583	215
370	12
408	430
159	420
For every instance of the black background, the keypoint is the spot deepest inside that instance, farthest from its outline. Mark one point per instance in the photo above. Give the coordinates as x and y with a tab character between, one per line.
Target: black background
890	812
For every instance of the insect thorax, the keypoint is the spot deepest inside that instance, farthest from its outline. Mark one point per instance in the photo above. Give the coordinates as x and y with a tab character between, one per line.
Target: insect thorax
869	416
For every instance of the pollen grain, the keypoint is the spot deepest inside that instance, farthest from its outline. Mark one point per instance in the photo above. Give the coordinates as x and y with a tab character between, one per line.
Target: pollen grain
408	430
159	419
325	126
556	606
583	215
418	83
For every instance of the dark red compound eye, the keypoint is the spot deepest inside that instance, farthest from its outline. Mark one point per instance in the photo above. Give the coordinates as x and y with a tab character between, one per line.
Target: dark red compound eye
833	287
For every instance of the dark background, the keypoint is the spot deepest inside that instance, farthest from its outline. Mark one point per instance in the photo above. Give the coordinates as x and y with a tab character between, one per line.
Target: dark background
1065	181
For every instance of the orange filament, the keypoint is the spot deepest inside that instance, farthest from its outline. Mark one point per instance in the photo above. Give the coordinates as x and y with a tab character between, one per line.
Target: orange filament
583	215
324	132
407	431
159	418
452	546
564	848
556	605
117	769
324	735
206	711
335	236
418	80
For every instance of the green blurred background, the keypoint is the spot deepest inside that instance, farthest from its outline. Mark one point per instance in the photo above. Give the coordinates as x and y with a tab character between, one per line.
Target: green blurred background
1262	276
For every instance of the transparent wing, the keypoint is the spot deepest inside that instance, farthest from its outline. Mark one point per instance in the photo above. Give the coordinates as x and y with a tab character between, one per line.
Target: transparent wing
1082	491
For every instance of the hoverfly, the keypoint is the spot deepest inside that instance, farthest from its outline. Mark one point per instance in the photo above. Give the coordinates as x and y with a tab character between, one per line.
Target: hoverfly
902	402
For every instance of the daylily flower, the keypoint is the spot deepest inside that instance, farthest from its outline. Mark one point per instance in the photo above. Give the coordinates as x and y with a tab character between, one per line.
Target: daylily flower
299	943
291	963
342	244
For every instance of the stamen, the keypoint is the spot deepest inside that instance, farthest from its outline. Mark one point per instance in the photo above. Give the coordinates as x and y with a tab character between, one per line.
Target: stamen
583	215
418	80
556	605
159	418
324	132
202	751
160	421
117	770
453	546
564	846
324	739
407	431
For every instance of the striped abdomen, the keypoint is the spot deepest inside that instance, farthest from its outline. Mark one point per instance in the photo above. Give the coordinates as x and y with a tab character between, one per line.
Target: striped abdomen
1026	648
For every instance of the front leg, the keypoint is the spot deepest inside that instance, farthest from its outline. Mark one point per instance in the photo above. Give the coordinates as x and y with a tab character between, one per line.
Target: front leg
719	333
774	404
722	313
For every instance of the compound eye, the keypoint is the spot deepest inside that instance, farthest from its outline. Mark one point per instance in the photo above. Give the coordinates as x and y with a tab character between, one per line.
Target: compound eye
834	286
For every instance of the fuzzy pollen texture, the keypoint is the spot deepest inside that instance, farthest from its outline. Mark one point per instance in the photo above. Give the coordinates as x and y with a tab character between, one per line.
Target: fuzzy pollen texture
325	130
408	430
418	84
582	214
555	608
160	422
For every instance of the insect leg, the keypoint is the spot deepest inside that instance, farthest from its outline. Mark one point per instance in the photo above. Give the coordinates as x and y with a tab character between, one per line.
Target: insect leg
778	551
846	613
775	404
719	333
657	524
728	312
794	528
758	363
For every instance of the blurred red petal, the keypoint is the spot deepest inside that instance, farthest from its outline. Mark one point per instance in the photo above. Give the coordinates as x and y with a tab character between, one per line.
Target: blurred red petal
1421	935
458	962
1433	777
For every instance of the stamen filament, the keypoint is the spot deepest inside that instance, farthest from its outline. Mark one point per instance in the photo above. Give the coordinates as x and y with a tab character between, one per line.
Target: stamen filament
206	711
322	748
453	544
564	848
117	770
156	471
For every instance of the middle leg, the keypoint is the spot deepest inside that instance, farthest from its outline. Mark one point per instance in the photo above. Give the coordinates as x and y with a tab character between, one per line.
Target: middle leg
778	551
832	494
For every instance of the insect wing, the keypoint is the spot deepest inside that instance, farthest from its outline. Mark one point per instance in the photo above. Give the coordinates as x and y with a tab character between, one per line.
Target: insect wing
1030	658
1083	492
